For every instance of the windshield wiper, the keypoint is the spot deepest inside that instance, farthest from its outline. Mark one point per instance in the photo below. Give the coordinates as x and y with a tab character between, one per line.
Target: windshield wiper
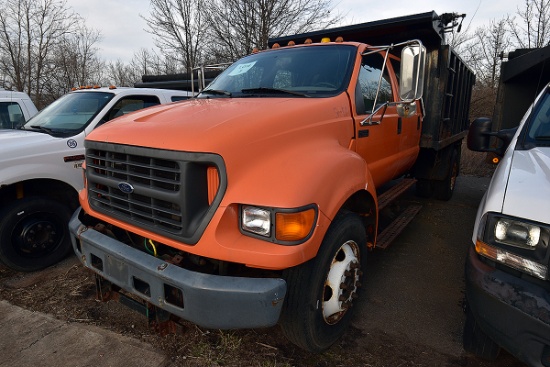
218	92
53	132
43	129
267	90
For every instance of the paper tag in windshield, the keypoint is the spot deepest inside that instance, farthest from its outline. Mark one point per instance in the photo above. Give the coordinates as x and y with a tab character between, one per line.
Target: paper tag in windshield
243	68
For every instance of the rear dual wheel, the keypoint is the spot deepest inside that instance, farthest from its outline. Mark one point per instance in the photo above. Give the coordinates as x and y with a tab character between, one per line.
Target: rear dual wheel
321	292
444	189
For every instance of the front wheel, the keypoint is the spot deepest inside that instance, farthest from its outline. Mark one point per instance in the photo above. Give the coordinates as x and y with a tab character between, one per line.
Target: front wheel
475	341
34	233
321	292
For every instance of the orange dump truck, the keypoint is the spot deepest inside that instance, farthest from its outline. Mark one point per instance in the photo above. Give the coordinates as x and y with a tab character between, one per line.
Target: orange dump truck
256	202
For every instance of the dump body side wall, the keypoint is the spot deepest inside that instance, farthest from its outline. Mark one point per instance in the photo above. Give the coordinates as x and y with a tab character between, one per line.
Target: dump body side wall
447	117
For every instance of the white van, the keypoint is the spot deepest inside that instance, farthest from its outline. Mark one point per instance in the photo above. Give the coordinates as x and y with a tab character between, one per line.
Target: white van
16	108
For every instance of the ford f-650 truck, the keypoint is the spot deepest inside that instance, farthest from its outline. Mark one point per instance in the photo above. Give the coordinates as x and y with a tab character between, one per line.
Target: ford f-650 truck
258	201
40	170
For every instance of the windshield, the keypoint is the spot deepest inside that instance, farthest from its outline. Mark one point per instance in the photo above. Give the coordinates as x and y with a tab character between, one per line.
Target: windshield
69	114
312	71
538	129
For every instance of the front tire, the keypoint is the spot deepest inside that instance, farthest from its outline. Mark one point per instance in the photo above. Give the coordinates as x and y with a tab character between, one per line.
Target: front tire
34	233
320	294
475	341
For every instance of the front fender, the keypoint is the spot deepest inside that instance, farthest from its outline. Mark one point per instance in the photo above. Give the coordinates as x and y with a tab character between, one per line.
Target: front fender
68	172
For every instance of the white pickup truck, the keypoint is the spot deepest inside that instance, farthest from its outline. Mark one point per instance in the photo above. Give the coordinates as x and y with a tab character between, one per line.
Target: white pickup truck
16	108
507	276
40	170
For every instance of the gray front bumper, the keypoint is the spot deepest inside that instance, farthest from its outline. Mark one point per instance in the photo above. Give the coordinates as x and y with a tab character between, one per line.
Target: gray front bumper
210	301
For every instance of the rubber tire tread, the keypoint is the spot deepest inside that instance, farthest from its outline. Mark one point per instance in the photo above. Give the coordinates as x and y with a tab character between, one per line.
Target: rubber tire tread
300	315
8	220
475	341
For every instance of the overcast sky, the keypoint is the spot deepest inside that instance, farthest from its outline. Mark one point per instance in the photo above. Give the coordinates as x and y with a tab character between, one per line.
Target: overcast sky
123	30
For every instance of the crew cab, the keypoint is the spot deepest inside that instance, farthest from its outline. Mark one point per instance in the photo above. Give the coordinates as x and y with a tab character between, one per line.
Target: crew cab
257	202
507	277
40	170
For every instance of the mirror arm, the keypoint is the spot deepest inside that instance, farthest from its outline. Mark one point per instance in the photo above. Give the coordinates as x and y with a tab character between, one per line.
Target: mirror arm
368	119
380	78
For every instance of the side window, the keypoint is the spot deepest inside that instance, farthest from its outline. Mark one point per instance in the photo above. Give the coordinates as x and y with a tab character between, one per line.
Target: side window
367	85
130	104
11	115
178	98
396	65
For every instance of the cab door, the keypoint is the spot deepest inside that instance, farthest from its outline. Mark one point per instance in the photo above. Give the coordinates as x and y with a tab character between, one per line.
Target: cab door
378	139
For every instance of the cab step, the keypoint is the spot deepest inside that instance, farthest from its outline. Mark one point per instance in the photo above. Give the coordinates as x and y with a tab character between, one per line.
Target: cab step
395	191
386	237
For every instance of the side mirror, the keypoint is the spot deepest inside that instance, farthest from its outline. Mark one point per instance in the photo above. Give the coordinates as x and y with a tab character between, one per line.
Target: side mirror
413	69
479	135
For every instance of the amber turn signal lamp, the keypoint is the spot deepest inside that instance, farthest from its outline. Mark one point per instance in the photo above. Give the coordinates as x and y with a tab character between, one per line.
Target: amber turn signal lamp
294	226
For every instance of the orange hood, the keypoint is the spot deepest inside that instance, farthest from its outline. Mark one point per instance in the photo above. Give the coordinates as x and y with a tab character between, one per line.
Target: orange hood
211	125
266	143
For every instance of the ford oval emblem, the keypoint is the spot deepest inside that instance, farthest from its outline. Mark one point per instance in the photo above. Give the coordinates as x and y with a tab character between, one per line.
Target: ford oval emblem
126	188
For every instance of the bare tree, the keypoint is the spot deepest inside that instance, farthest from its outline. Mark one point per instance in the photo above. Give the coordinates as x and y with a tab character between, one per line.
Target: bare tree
77	62
483	51
180	28
30	32
148	62
214	31
122	75
533	28
238	26
45	50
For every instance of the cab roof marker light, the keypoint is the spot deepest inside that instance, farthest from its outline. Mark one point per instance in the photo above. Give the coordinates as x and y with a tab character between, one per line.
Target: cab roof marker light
325	40
339	39
308	41
291	43
276	45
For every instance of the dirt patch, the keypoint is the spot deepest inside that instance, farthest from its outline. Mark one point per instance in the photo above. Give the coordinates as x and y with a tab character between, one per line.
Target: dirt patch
67	291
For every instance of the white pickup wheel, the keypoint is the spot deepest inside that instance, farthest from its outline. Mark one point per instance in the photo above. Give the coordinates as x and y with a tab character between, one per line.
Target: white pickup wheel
34	233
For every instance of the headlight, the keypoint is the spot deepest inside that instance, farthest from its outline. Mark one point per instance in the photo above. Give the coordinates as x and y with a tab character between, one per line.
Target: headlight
283	226
517	243
516	233
256	220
